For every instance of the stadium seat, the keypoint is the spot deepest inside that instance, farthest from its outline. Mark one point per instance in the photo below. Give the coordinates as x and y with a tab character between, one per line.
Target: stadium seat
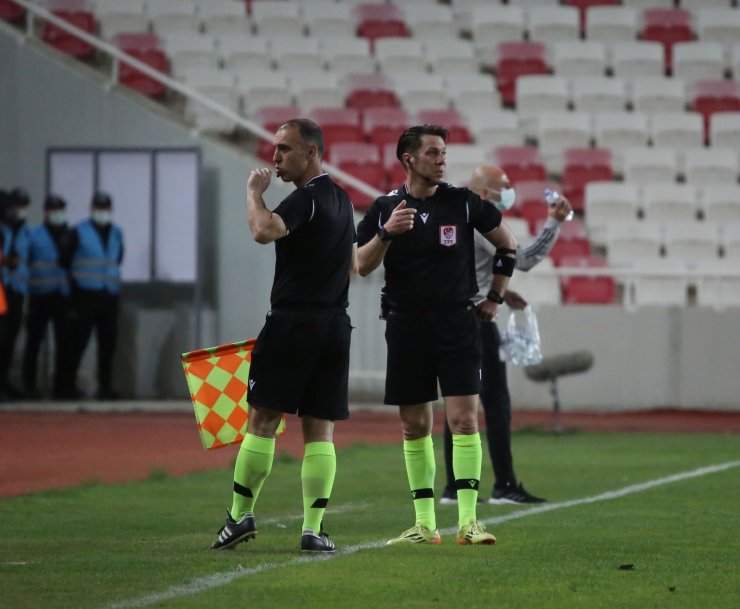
557	131
587	289
361	160
178	42
380	21
646	4
667	26
462	159
422	92
517	59
495	128
205	77
635	59
710	166
224	26
702	4
111	25
337	125
611	23
660	290
692	243
369	91
383	125
145	48
579	58
539	285
431	21
537	93
724	129
584	6
205	119
222	8
78	13
677	129
245	54
472	93
531	205
399	55
520	163
584	165
277	17
644	165
179	25
316	88
452	56
518	226
720	203
492	25
394	173
633	245
290	54
270	118
260	89
329	19
451	120
12	12
599	94
654	95
184	62
698	61
710	96
569	247
720	25
170	7
719	292
550	24
620	130
348	55
607	204
669	202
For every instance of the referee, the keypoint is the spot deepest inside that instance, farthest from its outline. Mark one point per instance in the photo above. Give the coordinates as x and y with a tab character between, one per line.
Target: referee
423	234
300	363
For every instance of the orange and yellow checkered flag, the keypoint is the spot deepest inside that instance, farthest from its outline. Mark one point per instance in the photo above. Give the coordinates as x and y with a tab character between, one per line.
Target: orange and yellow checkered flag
217	379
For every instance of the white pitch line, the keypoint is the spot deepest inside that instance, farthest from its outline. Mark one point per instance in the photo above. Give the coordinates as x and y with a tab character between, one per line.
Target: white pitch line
216	580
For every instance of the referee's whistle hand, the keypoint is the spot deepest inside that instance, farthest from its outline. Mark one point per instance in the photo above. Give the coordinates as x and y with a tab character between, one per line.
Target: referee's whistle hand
401	220
259	180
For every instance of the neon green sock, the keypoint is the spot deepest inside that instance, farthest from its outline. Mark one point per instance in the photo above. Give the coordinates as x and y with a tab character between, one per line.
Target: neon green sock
466	463
317	480
253	465
420	468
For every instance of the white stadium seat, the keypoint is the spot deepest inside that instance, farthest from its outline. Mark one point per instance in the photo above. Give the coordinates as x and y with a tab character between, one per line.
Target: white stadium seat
645	165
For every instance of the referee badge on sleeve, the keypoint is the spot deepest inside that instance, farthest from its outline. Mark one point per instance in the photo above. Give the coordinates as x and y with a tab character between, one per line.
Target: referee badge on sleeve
448	235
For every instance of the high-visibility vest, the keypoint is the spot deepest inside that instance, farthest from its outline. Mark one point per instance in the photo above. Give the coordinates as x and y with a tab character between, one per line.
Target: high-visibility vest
16	245
45	275
95	266
3	300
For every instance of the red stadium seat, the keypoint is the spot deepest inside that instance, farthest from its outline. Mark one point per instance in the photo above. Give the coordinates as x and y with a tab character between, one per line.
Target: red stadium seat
10	11
145	48
520	163
380	21
564	247
584	5
369	91
451	120
362	160
338	125
573	229
77	13
270	118
383	125
582	289
137	41
710	96
584	165
515	59
667	26
394	173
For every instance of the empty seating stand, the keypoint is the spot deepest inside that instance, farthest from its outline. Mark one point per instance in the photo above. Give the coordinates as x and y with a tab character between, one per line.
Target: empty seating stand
146	48
584	165
515	59
587	289
12	12
710	96
79	14
361	160
667	26
270	118
379	21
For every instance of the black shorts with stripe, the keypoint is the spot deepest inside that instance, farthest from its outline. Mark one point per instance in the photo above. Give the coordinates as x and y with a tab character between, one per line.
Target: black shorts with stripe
430	346
300	363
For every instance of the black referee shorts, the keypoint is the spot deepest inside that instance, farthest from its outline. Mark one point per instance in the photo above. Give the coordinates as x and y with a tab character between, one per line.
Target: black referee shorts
300	363
429	346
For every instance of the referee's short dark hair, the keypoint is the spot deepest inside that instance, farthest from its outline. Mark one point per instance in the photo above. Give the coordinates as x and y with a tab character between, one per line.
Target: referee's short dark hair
310	132
410	140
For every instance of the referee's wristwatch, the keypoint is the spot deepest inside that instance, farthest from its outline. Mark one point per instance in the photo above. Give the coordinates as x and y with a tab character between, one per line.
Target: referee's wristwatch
494	296
383	234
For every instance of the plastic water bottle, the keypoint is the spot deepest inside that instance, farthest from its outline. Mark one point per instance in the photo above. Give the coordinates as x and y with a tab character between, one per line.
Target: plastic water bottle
551	196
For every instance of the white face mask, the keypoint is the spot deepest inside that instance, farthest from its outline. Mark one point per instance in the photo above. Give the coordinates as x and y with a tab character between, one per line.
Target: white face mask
101	216
57	217
506	198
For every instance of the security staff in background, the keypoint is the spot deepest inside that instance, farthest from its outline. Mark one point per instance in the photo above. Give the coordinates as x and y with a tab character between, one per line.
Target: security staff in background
493	184
48	297
15	279
94	257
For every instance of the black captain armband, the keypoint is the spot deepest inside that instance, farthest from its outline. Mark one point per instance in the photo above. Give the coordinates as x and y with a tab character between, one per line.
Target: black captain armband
502	264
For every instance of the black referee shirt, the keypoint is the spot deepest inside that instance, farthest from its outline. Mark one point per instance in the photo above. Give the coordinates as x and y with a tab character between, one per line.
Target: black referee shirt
433	264
313	260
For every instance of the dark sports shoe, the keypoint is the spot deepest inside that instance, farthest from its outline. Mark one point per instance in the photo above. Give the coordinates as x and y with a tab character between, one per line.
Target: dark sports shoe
513	494
234	532
449	497
317	544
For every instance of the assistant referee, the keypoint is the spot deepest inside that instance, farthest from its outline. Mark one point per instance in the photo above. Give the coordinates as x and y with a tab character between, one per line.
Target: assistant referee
423	234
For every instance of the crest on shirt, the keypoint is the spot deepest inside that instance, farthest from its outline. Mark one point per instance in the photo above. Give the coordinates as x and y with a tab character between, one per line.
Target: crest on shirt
448	235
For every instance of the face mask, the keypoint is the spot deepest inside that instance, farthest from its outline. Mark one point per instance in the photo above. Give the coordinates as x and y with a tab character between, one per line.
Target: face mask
101	216
506	198
58	217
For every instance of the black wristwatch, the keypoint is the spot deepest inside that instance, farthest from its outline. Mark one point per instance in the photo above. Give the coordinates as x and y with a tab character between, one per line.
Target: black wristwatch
383	234
494	296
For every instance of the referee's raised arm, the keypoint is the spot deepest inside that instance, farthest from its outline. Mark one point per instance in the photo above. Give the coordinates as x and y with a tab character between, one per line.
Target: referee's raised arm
371	254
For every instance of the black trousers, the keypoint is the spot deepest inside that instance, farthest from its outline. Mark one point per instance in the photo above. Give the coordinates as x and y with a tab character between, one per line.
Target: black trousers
496	401
13	319
94	310
41	310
